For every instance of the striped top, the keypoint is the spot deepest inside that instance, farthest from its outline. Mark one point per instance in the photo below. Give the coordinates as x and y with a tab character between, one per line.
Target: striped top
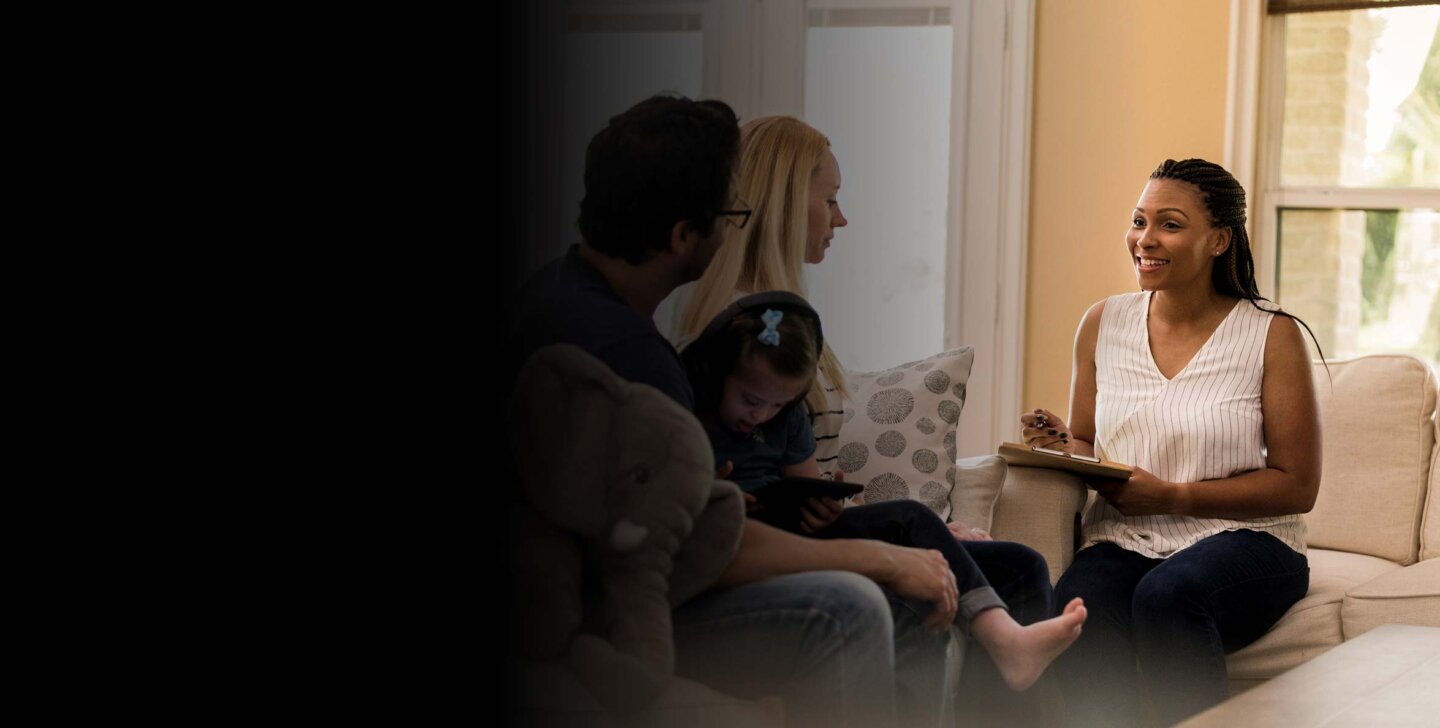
826	425
1204	424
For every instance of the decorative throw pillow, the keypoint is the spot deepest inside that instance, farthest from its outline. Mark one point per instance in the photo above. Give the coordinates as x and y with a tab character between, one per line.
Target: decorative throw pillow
898	435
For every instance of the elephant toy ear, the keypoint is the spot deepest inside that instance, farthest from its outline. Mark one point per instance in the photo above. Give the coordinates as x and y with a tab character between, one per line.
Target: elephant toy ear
561	416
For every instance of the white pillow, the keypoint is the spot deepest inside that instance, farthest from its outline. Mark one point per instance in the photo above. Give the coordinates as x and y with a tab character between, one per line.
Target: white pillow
978	481
898	435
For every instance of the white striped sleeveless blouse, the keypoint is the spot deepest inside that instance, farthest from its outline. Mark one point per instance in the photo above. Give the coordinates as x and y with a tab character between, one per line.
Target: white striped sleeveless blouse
1204	424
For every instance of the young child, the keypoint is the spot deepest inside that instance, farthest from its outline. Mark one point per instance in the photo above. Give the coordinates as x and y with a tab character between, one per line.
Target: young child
751	369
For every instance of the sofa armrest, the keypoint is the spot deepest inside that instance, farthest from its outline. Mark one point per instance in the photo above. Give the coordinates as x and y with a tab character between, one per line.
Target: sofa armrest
1040	508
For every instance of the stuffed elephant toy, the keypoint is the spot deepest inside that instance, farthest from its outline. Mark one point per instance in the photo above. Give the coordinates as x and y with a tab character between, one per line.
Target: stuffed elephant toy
621	519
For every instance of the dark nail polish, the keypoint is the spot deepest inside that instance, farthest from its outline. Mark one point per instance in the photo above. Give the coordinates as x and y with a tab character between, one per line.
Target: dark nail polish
1053	432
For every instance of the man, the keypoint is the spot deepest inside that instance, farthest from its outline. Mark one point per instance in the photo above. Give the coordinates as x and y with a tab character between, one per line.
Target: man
792	616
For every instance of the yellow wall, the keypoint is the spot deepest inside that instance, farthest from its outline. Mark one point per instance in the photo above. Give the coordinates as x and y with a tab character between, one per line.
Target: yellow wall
1120	85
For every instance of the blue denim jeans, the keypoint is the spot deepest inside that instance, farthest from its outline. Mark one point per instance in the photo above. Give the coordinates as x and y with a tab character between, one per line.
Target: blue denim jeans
822	640
1159	629
842	651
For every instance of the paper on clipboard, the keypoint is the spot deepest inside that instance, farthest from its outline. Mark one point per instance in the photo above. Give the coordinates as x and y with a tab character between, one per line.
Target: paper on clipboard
1016	454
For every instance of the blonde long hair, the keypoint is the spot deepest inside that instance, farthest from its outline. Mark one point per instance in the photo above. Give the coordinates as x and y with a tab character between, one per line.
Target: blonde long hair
778	156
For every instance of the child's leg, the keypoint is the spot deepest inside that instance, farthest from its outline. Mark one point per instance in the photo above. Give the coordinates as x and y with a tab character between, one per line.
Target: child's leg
1020	653
1019	575
911	523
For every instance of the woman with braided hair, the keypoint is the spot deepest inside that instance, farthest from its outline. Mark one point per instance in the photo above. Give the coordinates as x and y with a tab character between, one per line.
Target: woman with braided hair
1204	387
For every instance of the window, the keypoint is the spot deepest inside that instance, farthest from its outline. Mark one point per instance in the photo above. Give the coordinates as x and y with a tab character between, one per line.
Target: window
874	77
1348	215
917	96
614	58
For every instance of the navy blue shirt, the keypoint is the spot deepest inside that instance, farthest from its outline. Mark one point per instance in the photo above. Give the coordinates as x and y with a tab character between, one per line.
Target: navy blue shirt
570	302
759	455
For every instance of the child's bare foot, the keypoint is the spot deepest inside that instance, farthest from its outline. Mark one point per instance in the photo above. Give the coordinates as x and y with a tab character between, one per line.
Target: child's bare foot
1023	653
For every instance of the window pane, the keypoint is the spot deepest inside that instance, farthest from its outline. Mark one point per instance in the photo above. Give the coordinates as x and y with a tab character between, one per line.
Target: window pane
882	96
1366	281
1360	98
605	74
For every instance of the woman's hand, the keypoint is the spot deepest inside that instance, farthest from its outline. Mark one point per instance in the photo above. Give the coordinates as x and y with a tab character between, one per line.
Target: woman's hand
1142	495
962	532
1043	429
818	513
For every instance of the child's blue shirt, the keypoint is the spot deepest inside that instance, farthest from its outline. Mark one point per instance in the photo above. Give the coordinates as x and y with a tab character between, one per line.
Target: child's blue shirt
759	455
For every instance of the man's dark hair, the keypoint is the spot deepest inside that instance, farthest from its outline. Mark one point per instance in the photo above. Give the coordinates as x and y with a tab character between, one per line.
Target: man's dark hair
665	160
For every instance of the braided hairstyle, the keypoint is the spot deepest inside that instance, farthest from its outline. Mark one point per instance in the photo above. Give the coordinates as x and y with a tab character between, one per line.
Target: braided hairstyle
1224	199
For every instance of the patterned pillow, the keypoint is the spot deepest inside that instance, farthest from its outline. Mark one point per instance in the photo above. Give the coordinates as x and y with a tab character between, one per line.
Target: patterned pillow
898	436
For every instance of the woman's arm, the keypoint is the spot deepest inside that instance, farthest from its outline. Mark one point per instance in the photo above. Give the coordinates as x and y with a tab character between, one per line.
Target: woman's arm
1082	383
1290	479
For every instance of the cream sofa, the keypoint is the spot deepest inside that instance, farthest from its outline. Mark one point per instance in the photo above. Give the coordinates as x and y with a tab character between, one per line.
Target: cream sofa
1374	547
1374	534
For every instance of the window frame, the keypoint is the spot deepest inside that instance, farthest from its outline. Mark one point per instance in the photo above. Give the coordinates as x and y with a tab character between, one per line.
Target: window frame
1256	112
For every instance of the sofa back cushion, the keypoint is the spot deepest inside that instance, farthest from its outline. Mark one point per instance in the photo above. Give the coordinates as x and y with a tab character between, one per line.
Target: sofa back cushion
1378	426
1430	538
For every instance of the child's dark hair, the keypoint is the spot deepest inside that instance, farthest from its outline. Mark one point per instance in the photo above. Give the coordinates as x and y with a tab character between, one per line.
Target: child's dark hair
779	328
793	355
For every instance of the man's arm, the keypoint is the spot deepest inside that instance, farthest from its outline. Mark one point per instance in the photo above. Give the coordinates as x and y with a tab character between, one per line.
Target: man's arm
917	573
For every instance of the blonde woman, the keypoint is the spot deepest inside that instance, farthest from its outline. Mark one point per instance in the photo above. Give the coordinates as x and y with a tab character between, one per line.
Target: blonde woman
790	179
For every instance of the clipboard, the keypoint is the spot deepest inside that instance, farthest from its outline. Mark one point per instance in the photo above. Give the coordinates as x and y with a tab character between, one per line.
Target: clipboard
1039	457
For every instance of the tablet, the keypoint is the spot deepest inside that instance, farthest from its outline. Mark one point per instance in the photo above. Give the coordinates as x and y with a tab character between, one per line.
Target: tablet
1041	457
781	500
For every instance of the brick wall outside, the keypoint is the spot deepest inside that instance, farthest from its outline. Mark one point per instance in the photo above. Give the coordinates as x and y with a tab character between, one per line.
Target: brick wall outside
1322	251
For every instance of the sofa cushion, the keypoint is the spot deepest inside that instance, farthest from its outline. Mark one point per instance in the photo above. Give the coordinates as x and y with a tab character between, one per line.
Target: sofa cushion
898	435
1378	429
1312	625
1430	536
1404	596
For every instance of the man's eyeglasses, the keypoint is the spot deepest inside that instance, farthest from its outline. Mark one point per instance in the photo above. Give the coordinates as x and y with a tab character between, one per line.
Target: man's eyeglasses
742	212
